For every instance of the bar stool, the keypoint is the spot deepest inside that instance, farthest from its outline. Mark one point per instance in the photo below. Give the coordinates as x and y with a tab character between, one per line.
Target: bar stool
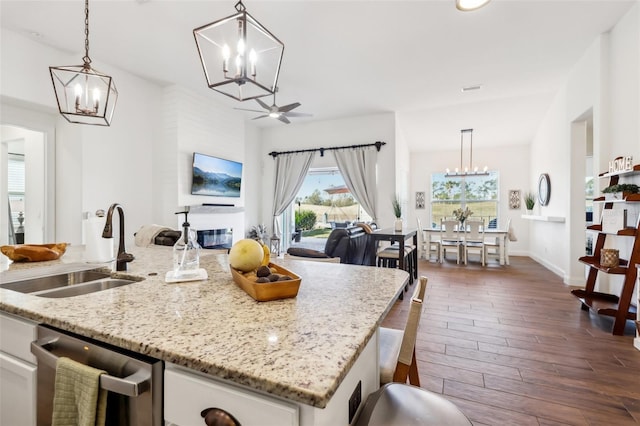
407	405
389	257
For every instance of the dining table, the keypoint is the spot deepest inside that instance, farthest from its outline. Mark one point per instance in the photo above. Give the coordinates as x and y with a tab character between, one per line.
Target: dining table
501	235
400	237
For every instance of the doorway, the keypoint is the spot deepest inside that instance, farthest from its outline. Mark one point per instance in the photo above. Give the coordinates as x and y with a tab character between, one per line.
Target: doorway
27	151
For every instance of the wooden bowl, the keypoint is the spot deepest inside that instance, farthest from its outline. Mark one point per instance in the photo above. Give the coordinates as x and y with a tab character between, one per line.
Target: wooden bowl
263	292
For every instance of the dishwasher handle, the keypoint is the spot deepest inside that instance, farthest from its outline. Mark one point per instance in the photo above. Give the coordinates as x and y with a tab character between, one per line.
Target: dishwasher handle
132	385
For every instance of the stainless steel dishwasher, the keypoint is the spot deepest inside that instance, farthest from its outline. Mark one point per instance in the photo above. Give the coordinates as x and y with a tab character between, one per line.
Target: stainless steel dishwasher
134	381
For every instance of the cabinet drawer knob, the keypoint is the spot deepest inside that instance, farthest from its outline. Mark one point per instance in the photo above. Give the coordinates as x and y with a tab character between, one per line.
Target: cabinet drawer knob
218	417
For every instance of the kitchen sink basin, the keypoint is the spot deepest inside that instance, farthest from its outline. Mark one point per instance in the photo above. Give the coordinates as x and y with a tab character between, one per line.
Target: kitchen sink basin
67	284
50	282
85	288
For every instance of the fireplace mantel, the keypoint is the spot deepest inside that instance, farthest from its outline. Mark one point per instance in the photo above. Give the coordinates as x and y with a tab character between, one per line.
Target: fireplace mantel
199	209
217	217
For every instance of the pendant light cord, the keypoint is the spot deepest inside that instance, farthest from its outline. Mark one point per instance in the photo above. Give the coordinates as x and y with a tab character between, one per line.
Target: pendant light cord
86	59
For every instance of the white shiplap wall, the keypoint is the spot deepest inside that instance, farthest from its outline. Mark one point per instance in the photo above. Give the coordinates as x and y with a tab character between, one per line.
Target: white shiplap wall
196	122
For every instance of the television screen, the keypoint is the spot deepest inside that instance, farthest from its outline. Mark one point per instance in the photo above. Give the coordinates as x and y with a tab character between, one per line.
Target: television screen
215	176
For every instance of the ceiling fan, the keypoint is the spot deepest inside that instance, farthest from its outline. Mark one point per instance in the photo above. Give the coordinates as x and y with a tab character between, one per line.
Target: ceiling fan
278	112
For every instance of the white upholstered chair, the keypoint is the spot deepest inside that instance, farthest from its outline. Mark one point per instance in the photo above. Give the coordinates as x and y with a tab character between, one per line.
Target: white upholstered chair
397	347
473	239
449	238
427	244
492	245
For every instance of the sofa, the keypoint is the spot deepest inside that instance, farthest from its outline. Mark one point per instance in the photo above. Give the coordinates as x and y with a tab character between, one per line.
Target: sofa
352	245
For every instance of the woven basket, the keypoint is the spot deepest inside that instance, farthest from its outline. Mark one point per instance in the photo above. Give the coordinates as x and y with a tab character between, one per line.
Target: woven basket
609	257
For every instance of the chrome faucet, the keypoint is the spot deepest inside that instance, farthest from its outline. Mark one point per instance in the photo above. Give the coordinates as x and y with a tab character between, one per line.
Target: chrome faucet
123	257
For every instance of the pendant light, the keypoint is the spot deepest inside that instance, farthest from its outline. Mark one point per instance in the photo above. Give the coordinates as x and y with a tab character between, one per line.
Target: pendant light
469	170
84	95
240	57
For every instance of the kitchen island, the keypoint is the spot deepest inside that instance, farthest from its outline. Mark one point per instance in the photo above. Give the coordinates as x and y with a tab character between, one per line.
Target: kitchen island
297	350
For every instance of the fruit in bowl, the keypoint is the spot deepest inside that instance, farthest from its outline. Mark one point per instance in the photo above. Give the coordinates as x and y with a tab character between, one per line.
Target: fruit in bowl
246	255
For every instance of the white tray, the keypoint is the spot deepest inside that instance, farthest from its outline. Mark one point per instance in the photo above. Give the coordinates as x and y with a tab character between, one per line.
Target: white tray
196	275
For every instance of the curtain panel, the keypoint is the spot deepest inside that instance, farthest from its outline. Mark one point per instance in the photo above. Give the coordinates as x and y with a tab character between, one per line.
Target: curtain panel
358	168
291	169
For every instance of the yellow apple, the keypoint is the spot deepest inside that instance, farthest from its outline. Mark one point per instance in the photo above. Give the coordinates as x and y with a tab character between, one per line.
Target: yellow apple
246	255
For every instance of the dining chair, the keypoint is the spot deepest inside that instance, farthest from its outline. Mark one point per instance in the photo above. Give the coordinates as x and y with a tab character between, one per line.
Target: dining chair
397	347
473	239
449	238
427	244
492	245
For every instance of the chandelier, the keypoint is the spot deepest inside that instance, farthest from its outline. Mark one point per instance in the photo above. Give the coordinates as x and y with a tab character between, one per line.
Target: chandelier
469	170
84	95
240	57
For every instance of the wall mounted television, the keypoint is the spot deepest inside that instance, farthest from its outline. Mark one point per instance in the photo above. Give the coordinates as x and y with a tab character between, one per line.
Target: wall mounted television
215	176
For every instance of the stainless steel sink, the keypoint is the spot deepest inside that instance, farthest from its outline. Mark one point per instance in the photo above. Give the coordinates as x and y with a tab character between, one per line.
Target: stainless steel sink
66	284
85	288
50	282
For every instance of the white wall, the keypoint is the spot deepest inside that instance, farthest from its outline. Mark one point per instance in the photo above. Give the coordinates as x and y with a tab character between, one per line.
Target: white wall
95	166
403	173
512	162
603	83
332	133
196	122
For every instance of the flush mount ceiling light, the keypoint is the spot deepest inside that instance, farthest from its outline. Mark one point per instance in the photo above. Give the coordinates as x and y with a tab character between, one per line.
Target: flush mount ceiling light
240	57
469	170
84	95
469	5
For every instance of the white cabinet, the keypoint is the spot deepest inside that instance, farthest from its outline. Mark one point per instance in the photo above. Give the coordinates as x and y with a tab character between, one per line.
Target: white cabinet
17	372
17	392
187	394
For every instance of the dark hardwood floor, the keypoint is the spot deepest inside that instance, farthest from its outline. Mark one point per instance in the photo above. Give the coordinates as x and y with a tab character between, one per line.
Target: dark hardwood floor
510	345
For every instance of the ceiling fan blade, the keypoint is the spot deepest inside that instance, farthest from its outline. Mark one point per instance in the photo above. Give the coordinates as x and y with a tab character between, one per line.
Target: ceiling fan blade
262	104
297	114
289	107
246	109
283	119
260	116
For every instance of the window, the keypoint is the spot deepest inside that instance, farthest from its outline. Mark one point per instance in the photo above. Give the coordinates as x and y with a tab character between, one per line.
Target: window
325	193
16	185
479	193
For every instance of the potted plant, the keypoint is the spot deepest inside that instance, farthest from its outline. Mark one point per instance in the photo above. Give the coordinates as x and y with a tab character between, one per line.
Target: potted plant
529	201
397	211
620	191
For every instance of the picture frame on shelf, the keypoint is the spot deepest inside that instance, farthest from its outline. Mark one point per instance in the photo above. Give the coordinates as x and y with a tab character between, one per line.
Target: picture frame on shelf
613	220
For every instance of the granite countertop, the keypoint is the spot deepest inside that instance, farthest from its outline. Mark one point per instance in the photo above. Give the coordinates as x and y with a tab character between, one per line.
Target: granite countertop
299	348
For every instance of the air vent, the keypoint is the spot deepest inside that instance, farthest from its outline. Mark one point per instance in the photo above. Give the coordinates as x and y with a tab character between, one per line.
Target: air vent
472	88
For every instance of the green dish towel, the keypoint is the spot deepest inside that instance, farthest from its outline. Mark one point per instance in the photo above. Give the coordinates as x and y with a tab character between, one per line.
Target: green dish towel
78	399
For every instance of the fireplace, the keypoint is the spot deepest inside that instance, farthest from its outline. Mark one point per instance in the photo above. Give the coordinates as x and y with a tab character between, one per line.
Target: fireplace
216	238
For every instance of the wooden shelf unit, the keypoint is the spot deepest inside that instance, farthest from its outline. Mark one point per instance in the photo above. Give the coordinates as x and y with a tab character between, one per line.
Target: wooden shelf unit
619	307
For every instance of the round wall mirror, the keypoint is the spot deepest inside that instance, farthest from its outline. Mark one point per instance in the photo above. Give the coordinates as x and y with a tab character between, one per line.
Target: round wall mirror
544	189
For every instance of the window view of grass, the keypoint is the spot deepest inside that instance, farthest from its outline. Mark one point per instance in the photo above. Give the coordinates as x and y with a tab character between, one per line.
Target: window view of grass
479	193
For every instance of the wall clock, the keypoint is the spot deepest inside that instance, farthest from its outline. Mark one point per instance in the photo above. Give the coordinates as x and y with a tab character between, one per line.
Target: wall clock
544	189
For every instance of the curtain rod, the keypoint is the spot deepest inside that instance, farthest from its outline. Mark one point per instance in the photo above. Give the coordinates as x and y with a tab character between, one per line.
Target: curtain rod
377	144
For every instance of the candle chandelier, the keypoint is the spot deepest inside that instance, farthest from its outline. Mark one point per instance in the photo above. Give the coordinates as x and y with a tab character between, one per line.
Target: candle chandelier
84	95
240	57
469	170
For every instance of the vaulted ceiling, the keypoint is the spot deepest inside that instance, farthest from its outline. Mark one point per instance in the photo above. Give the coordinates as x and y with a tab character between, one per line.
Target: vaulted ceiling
350	58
